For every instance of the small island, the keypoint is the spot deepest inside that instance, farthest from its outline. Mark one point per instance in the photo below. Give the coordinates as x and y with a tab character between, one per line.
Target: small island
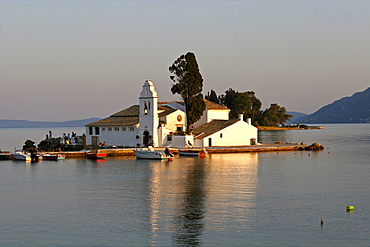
289	127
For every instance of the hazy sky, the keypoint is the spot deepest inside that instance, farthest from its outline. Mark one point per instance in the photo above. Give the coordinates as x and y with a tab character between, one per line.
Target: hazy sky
68	60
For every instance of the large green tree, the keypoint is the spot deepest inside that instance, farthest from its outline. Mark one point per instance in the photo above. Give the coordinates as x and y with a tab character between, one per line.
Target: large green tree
245	103
250	106
212	96
188	83
274	116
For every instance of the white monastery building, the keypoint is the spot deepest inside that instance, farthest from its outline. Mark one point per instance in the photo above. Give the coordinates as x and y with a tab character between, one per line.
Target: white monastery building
161	124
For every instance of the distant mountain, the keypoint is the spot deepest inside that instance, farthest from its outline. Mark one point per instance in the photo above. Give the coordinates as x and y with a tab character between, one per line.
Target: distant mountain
35	124
296	115
354	109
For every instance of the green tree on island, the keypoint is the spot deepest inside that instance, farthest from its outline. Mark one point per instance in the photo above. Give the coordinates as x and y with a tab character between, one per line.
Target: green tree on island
249	105
274	116
188	83
242	102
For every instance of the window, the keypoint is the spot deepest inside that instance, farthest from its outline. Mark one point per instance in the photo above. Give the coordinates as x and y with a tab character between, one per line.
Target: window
130	128
97	131
179	128
220	135
145	109
90	130
103	129
253	141
116	128
109	128
123	128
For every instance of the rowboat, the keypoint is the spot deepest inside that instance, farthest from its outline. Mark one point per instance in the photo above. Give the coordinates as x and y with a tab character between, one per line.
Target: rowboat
95	156
151	154
5	155
53	157
192	152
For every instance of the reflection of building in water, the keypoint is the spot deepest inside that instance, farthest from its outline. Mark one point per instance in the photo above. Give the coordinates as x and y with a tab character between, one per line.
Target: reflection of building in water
176	199
192	193
232	190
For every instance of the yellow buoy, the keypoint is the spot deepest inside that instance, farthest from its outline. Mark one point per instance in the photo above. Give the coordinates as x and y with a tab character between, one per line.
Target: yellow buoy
350	208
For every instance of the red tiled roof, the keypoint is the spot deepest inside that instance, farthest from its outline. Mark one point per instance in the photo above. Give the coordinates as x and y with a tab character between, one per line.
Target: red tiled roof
128	116
131	111
212	127
214	106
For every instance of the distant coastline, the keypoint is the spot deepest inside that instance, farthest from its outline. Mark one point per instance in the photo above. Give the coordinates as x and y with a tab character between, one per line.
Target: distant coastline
40	124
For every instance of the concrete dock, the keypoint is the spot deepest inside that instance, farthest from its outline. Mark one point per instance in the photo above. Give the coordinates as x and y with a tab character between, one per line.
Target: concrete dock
211	150
271	147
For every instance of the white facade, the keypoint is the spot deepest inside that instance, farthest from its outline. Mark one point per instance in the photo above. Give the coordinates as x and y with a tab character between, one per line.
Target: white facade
238	134
113	136
169	124
155	123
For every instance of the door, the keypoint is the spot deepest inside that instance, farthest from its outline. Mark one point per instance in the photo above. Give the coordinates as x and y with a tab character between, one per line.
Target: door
146	138
209	142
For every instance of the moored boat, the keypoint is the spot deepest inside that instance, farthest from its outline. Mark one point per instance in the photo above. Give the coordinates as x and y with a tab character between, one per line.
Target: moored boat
193	152
53	157
151	154
95	156
61	157
19	155
5	155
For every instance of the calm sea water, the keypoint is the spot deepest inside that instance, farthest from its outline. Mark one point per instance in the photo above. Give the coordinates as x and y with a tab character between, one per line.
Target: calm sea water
256	199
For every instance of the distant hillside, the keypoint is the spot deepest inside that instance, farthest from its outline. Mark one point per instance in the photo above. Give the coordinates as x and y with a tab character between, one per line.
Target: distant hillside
34	124
296	115
354	109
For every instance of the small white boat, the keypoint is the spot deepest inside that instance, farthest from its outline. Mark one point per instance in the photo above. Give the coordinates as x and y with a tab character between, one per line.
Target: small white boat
151	154
19	155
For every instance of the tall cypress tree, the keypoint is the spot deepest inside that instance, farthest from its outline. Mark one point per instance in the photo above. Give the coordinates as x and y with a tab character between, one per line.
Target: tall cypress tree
212	96
188	83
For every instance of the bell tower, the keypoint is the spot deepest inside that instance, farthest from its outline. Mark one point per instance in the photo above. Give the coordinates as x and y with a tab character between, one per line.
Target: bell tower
148	114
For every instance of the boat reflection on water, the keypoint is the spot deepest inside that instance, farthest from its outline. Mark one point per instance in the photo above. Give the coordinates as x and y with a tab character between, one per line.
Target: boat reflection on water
193	193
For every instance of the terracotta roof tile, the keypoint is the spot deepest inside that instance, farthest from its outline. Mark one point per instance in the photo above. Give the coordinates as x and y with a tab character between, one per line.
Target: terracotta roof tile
126	117
131	111
212	127
212	105
167	102
116	121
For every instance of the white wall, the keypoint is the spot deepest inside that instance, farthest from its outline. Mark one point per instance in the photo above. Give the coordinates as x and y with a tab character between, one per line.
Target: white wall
218	114
209	115
181	141
163	132
171	120
113	137
238	134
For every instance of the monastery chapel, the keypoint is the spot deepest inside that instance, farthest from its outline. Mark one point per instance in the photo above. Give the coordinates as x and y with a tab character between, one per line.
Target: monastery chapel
161	123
